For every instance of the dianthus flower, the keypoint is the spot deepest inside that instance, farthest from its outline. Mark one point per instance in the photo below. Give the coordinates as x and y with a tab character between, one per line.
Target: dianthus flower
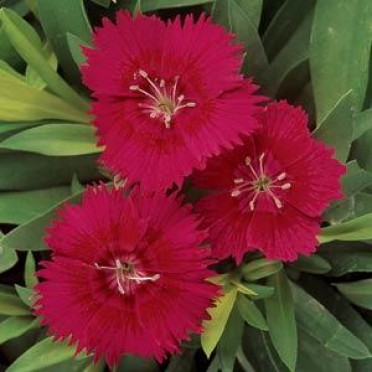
270	193
127	275
168	95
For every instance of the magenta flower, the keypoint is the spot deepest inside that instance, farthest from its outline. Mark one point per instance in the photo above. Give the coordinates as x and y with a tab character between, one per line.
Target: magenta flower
270	193
168	96
127	275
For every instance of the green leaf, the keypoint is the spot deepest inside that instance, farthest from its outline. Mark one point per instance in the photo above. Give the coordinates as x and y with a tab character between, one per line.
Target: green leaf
28	45
230	341
313	264
347	257
260	268
262	355
57	21
261	291
243	361
39	171
235	16
19	207
7	53
362	150
8	70
251	313
336	129
55	140
20	102
10	304
14	126
293	53
8	258
281	320
214	327
45	353
284	25
339	52
359	292
25	294
362	123
33	78
325	328
349	317
313	356
75	44
355	180
76	186
15	326
30	271
29	235
151	5
353	230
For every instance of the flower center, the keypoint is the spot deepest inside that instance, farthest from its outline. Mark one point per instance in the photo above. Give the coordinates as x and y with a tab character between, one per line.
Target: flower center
125	275
259	182
163	100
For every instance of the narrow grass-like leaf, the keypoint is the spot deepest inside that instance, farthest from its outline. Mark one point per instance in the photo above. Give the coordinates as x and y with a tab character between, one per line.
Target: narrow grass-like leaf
251	313
339	52
214	327
359	292
313	264
230	341
336	129
353	230
26	44
318	322
260	268
55	140
281	319
15	326
30	270
43	354
20	102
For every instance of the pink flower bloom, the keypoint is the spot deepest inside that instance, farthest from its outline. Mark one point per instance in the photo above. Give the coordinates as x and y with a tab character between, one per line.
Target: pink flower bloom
168	96
270	193
127	275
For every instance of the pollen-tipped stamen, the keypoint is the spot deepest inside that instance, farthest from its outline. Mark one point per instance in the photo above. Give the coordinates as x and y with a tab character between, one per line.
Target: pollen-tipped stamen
124	273
164	101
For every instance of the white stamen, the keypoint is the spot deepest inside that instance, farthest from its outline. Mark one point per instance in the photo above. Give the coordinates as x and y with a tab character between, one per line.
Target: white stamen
238	180
164	103
235	193
124	273
281	176
261	183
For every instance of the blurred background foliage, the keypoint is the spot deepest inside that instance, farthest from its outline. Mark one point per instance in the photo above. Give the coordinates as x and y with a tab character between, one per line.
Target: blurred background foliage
311	315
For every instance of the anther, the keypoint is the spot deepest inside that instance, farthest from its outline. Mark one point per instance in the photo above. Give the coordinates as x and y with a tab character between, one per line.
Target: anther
281	176
286	186
247	161
238	180
143	73
235	193
134	87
